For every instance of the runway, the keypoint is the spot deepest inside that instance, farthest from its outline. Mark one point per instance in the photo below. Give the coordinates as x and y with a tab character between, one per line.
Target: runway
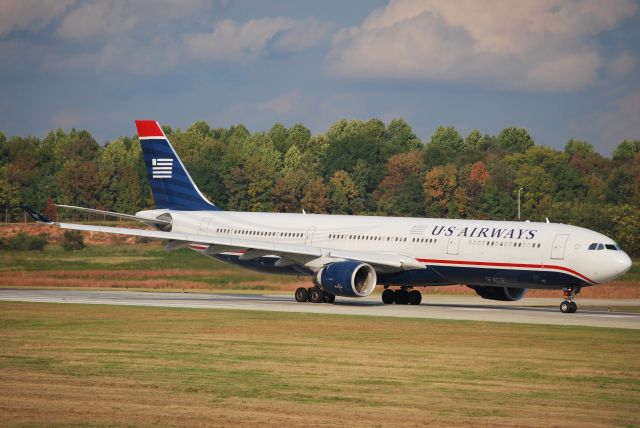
534	310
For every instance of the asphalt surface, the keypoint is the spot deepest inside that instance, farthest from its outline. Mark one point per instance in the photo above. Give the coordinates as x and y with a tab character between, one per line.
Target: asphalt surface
610	313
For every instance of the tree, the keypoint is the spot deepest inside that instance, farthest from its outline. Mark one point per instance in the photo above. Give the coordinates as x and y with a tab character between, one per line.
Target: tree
316	197
279	134
626	150
298	135
397	192
401	138
80	183
343	192
439	186
514	139
289	191
445	145
579	147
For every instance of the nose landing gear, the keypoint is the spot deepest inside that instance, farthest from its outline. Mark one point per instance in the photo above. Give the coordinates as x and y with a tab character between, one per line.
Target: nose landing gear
568	306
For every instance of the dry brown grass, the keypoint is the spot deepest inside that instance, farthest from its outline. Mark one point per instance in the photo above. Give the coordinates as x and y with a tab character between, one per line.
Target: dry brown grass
206	280
101	365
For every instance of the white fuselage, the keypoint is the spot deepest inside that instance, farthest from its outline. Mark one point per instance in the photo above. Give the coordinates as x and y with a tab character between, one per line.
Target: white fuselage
480	252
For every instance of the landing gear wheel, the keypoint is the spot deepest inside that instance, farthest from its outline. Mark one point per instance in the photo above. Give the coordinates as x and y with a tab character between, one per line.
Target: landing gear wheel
302	295
329	298
568	306
415	297
317	296
388	296
402	297
573	307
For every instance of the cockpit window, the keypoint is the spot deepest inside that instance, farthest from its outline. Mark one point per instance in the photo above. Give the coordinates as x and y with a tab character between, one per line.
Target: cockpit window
599	246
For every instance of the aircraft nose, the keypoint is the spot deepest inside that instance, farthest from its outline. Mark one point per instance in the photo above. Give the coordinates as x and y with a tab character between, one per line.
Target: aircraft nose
624	263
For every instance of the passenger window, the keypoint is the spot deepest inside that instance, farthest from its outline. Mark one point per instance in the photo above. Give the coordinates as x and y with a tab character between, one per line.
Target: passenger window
593	246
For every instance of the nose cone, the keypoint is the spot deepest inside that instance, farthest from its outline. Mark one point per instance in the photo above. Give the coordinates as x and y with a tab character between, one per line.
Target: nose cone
623	263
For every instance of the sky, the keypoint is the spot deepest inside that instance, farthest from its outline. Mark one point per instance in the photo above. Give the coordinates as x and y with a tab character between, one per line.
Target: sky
560	69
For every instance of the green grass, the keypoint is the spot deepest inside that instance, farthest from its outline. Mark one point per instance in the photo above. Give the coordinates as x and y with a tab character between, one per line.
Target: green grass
106	365
117	257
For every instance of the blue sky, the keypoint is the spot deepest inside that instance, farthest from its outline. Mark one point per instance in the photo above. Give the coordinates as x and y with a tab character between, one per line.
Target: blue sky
561	69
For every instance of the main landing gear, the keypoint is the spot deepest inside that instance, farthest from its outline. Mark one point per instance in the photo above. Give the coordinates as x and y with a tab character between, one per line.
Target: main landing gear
403	296
314	295
568	306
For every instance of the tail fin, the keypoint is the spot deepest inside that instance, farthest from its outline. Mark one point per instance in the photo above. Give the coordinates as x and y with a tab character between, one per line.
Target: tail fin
171	184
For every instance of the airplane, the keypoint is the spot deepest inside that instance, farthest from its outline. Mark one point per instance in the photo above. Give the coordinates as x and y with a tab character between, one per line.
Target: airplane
348	256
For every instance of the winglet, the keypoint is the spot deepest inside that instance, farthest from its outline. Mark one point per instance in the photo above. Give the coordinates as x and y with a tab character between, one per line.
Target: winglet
36	216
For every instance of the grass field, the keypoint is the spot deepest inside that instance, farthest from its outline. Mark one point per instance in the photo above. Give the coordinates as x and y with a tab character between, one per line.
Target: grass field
103	365
149	266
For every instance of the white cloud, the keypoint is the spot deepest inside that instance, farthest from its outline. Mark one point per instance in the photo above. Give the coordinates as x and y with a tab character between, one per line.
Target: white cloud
543	45
232	41
120	17
303	35
284	103
97	19
30	15
622	65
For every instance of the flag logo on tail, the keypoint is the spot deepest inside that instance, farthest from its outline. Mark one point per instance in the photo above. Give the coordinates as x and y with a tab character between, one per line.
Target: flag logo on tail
161	168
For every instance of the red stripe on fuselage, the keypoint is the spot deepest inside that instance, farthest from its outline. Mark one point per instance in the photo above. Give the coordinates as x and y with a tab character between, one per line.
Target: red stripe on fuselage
513	265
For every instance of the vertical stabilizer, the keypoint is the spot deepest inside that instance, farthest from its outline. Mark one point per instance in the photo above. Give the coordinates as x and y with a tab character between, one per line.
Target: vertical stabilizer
172	186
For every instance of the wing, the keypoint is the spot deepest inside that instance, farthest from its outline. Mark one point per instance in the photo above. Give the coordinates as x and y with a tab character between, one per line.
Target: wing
312	257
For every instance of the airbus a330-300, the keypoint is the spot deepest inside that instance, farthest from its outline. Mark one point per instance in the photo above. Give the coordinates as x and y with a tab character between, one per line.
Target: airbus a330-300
348	256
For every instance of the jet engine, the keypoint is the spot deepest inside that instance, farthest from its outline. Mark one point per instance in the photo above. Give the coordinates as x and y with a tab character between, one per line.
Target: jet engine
349	279
505	294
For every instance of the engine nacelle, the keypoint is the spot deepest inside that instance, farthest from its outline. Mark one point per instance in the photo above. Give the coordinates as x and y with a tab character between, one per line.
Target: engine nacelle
349	279
505	294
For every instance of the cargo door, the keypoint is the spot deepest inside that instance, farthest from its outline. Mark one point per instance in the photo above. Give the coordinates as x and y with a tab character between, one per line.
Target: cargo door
559	243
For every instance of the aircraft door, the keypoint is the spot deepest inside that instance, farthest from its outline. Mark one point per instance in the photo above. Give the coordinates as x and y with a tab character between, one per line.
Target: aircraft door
204	224
453	245
559	243
309	237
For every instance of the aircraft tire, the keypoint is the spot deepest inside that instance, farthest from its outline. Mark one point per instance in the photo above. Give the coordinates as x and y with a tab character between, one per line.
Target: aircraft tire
574	307
388	296
415	297
565	307
402	297
302	295
317	296
329	298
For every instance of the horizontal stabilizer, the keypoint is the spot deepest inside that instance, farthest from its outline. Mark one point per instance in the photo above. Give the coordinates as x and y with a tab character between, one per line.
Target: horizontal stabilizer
119	215
36	216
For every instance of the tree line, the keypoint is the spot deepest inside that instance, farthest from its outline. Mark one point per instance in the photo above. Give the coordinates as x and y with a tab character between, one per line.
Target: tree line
355	167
